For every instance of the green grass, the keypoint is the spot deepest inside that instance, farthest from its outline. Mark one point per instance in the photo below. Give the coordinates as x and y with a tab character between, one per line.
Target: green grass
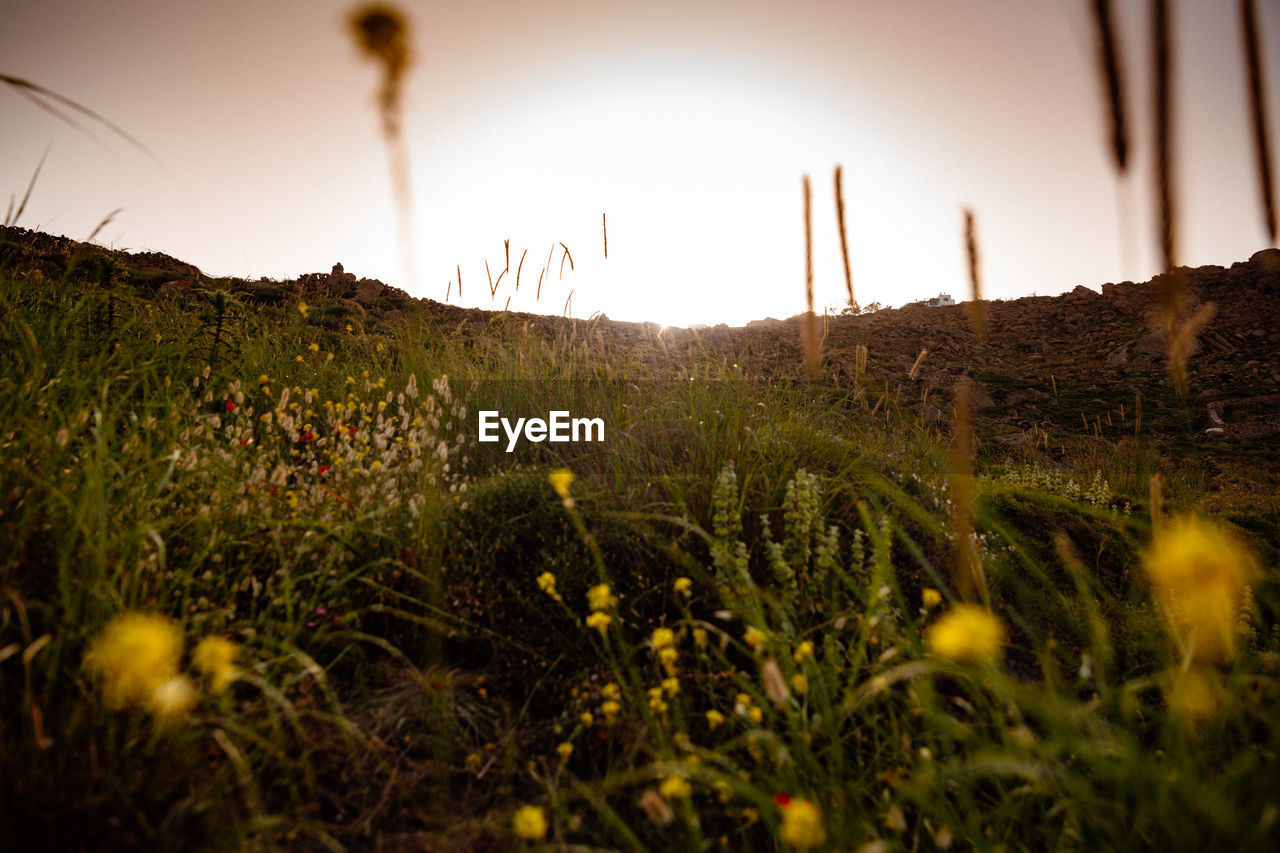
405	683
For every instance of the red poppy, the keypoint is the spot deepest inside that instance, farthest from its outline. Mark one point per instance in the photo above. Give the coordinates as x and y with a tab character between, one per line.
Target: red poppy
322	469
308	436
782	800
231	406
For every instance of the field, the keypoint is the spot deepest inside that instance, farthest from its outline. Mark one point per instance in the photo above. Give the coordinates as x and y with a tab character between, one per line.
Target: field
263	589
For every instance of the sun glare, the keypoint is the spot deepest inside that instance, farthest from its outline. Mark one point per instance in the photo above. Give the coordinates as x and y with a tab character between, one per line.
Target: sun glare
699	176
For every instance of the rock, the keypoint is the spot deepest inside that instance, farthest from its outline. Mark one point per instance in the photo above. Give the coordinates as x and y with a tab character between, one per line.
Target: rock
369	289
1153	344
1118	357
1208	395
1215	432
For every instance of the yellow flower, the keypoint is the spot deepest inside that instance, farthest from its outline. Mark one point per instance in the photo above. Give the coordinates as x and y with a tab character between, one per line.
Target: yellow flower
700	637
668	657
530	822
134	654
930	597
800	684
303	308
714	718
802	824
755	715
1192	695
684	586
611	691
675	788
565	749
966	632
561	479
547	583
599	621
755	638
662	638
600	597
671	686
174	697
215	657
314	347
1200	575
610	709
803	652
586	719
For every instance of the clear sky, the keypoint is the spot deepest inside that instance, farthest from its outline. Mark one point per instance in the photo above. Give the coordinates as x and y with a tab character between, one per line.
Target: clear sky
690	123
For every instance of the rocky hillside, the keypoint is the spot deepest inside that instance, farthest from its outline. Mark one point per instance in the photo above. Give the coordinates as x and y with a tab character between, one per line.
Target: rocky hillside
1085	361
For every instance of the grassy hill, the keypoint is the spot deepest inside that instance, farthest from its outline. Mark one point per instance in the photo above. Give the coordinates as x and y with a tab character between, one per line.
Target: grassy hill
261	586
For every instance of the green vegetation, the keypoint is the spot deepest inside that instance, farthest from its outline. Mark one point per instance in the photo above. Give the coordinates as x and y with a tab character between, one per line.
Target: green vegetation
733	625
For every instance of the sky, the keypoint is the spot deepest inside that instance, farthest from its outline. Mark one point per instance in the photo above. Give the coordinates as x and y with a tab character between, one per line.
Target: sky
688	124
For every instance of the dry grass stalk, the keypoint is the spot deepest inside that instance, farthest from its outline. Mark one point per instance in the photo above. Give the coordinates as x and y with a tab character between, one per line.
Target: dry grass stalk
538	296
968	576
1257	103
459	281
844	240
563	257
382	34
448	290
1182	344
567	300
604	230
519	267
809	323
1109	66
1162	74
506	250
915	368
977	308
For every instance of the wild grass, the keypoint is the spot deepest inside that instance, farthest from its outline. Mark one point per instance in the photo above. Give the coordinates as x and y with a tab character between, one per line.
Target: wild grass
765	670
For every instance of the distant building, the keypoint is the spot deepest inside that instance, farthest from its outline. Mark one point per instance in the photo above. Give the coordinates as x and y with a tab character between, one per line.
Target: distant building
936	302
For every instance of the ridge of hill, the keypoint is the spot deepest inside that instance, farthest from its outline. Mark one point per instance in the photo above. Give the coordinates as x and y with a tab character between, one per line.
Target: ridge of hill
1083	360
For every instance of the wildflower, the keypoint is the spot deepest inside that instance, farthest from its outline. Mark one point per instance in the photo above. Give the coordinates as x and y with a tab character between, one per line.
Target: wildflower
586	719
314	347
675	787
231	405
599	621
800	684
801	823
611	691
966	632
683	586
671	686
215	657
530	822
755	638
610	708
755	714
322	469
803	652
656	809
561	479
662	638
700	637
1192	695
303	308
600	597
775	686
174	697
667	657
474	762
1200	575
547	583
930	598
135	654
714	719
565	749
